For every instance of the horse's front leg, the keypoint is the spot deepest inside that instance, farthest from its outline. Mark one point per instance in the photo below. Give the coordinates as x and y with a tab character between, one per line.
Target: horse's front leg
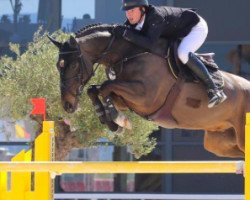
129	91
93	93
114	115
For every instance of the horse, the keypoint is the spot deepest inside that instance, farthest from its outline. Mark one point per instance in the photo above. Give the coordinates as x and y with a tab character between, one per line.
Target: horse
143	82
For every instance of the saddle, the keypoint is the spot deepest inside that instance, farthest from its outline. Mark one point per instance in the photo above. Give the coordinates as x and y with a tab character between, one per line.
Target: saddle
179	70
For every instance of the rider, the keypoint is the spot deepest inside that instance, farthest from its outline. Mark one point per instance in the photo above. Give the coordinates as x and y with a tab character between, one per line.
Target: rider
147	23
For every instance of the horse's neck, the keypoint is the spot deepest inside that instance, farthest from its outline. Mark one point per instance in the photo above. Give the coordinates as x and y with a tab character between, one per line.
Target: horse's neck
127	49
122	49
115	52
101	48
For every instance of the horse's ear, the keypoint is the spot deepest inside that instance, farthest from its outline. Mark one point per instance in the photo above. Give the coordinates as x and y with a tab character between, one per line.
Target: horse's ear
56	43
72	42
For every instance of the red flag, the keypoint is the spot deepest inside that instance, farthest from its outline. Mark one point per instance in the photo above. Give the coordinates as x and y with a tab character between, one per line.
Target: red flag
39	106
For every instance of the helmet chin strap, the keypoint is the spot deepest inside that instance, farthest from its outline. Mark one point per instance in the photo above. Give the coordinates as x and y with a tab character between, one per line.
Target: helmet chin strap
142	14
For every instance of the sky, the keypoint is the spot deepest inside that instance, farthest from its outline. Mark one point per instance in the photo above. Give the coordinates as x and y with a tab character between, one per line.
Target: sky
70	8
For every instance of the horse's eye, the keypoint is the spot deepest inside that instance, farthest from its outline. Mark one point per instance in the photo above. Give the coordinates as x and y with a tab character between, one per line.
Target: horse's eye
74	65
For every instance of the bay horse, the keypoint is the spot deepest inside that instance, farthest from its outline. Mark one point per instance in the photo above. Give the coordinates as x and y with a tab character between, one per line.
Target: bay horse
145	84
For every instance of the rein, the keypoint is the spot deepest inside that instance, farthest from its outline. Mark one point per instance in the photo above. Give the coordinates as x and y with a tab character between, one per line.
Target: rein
122	61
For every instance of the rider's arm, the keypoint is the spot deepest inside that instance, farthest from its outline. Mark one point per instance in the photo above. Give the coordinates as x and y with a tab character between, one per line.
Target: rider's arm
147	39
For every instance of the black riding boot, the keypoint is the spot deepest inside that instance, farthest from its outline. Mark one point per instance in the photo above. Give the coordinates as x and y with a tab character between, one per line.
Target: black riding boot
214	94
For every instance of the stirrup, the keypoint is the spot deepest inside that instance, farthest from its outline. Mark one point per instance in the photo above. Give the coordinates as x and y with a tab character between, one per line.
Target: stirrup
223	96
217	98
214	101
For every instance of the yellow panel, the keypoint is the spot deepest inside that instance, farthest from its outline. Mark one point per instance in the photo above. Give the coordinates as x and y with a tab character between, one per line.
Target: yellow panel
247	158
27	175
42	186
7	196
43	147
3	184
3	181
248	119
48	126
30	196
19	157
17	180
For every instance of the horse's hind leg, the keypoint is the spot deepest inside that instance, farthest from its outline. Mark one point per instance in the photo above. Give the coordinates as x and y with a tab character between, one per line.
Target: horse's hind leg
223	144
240	133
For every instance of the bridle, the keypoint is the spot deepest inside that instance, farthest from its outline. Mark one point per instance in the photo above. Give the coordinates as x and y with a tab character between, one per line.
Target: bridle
79	77
83	68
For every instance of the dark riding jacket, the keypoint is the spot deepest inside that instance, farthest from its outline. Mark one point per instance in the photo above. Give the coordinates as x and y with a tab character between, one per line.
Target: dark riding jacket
162	21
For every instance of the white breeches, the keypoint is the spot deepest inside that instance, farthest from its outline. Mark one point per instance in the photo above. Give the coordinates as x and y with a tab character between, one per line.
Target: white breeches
193	41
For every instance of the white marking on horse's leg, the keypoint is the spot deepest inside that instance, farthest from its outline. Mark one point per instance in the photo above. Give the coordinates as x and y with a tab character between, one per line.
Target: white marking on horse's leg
123	121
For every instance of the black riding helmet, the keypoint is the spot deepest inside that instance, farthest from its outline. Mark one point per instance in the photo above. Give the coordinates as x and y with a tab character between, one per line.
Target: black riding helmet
130	4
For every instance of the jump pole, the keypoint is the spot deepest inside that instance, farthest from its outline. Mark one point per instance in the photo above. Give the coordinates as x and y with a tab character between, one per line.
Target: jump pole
167	167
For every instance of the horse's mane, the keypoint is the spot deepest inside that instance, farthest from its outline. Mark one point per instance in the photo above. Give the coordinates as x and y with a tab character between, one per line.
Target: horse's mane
92	28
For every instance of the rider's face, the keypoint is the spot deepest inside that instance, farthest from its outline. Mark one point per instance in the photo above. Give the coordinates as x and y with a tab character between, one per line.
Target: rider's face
134	15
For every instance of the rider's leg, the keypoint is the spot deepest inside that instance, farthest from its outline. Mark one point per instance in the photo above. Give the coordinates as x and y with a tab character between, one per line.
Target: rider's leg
186	49
215	96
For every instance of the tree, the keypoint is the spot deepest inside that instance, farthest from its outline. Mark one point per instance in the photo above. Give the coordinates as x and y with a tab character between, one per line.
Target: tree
86	16
5	19
25	19
16	7
34	74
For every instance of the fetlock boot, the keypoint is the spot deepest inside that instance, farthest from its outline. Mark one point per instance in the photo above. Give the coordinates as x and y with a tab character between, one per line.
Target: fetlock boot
114	115
215	95
110	110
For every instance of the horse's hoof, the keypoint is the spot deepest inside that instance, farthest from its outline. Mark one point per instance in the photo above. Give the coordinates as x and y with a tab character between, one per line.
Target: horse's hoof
120	130
123	121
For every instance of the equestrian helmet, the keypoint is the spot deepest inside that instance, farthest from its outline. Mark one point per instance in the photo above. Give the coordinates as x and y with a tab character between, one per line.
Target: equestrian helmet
130	4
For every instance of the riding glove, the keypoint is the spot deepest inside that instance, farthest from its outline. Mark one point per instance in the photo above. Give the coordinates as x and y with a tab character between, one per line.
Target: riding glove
119	30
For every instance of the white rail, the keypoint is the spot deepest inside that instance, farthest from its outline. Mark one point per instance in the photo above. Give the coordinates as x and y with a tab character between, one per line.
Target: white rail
109	196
